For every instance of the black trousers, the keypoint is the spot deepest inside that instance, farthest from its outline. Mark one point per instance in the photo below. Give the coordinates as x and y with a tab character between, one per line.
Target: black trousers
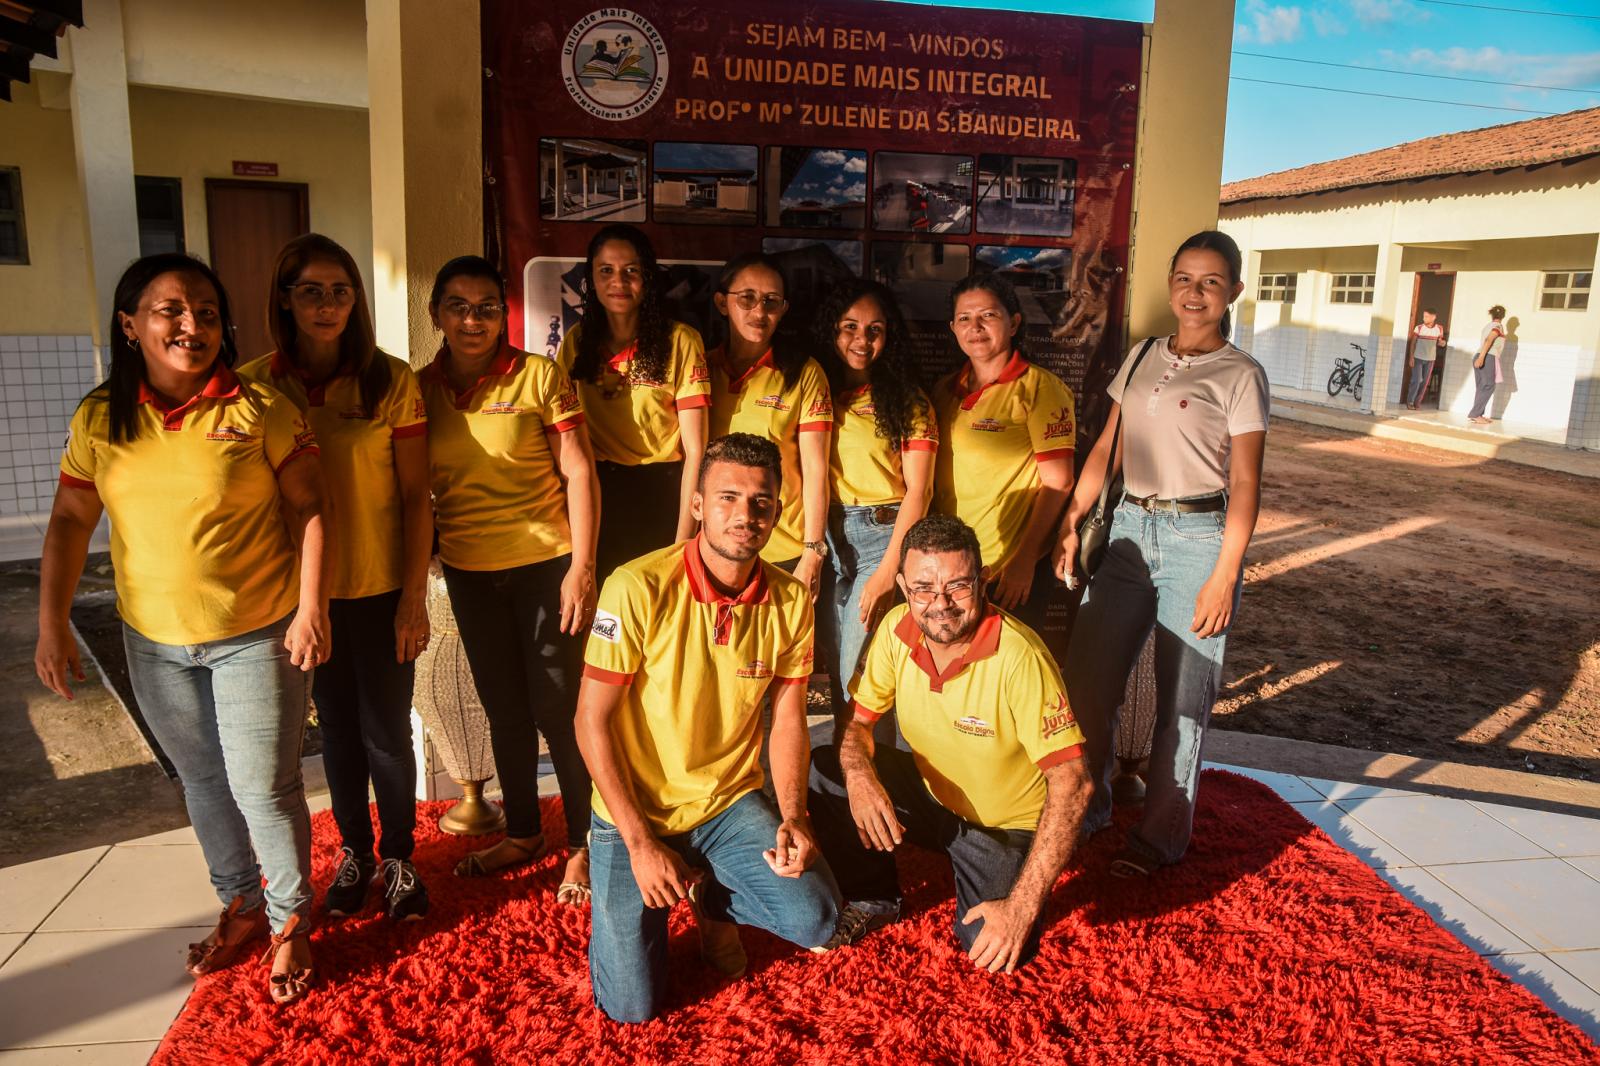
986	862
364	710
527	674
638	512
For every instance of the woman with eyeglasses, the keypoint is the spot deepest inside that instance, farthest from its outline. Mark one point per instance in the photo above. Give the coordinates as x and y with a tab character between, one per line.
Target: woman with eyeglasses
884	442
517	506
645	390
214	491
367	412
1007	433
1193	413
774	390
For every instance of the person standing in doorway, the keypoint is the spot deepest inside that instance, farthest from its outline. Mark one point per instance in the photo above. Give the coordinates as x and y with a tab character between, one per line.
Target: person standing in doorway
1425	339
1486	367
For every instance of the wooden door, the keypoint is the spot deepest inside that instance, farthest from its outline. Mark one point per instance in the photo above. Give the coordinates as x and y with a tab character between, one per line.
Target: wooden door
250	221
1436	291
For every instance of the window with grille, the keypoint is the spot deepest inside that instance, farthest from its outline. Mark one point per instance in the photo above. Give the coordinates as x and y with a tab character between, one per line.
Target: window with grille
1277	288
13	235
1353	288
1566	290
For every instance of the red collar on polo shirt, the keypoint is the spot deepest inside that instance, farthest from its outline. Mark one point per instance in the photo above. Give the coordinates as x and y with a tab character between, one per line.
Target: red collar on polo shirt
503	363
705	591
851	393
718	357
985	642
1014	369
222	383
283	366
624	356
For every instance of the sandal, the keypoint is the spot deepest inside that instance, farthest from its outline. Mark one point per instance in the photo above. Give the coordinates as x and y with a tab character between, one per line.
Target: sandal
204	957
286	986
1131	864
574	893
472	865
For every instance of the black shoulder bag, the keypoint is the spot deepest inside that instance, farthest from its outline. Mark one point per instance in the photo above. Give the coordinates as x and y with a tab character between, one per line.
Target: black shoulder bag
1095	529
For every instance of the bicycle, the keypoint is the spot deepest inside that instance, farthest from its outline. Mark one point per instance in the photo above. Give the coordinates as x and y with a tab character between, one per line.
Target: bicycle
1349	374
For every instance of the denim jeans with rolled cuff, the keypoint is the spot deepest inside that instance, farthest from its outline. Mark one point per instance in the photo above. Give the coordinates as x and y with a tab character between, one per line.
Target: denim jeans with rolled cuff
1154	566
231	715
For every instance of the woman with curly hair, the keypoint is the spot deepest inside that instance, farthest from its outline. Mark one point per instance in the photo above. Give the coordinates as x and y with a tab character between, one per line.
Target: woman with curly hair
645	390
884	442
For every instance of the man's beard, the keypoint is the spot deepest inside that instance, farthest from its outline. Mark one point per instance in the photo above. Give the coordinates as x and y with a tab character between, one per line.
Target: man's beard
942	630
733	551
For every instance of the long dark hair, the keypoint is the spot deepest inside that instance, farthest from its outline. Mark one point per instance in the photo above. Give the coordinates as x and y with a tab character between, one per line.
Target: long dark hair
992	283
1214	240
896	400
655	325
358	344
127	357
787	356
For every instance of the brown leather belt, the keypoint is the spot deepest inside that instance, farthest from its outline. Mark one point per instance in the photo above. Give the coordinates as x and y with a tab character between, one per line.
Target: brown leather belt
886	515
1199	505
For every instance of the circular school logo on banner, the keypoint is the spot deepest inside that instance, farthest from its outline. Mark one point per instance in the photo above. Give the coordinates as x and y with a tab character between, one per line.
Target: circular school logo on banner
615	64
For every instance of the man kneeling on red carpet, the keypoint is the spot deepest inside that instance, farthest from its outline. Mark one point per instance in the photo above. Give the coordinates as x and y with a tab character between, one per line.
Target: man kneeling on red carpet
686	645
994	777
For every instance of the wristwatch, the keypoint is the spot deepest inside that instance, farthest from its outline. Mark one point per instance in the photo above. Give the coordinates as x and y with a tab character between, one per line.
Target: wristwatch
818	546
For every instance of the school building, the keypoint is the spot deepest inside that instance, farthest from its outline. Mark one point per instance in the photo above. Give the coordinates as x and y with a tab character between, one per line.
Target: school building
1343	257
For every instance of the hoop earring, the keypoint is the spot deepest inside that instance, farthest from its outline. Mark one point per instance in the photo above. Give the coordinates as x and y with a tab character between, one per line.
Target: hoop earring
133	344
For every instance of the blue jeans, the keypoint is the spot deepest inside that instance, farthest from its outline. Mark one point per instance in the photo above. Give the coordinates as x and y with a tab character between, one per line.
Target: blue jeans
231	715
628	942
857	543
1421	372
1153	568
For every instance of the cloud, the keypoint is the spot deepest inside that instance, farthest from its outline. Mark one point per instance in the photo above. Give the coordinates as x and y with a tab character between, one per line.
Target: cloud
1326	23
858	191
1372	13
829	157
1268	24
1573	70
857	164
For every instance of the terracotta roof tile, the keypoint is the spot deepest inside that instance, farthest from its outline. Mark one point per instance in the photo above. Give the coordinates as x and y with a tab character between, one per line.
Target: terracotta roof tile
1515	144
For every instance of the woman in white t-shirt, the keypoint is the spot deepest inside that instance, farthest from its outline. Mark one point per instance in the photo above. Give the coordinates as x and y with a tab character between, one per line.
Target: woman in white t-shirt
1194	424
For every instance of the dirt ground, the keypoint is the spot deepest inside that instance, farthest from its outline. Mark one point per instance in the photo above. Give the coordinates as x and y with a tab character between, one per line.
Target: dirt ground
1404	599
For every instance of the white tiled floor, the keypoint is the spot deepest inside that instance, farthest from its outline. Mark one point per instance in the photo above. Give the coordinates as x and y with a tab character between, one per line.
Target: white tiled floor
90	943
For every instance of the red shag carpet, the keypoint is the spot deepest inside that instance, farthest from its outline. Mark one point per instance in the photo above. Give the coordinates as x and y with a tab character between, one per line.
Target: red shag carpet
1268	944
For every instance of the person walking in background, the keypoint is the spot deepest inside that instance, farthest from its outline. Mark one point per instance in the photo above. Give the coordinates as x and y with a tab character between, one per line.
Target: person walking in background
884	442
1486	366
1194	429
645	389
1426	336
218	541
367	412
517	506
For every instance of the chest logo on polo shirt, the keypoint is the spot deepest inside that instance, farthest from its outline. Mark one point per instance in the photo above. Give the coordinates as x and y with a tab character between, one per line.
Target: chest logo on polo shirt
229	433
973	726
867	410
773	401
989	425
1060	424
1058	717
501	407
756	668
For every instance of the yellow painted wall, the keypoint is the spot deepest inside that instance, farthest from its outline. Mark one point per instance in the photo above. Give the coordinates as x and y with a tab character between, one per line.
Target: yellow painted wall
41	297
194	136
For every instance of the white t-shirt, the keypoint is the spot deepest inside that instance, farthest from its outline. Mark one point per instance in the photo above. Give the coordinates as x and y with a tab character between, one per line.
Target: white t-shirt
1181	415
1427	346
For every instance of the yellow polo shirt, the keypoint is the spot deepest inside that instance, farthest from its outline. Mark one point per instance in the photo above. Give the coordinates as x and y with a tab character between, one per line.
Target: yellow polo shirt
984	731
498	498
992	442
756	402
198	541
697	665
866	469
358	462
632	420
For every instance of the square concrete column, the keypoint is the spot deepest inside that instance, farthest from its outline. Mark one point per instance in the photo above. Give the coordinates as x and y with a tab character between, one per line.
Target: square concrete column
425	82
1583	422
103	138
1385	313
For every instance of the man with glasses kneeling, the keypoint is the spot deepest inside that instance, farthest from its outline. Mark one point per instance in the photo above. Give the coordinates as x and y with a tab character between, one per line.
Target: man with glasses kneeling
994	778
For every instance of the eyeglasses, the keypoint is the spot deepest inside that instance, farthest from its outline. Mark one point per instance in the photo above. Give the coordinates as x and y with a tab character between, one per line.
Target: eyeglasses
959	593
770	302
482	312
313	295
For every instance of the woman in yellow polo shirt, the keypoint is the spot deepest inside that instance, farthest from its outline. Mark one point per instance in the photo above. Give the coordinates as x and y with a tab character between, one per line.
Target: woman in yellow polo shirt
771	388
211	483
1006	437
884	442
367	413
517	505
645	390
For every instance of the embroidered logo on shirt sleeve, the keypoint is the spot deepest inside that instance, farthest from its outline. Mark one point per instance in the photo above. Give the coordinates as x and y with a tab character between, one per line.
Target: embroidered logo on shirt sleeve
607	627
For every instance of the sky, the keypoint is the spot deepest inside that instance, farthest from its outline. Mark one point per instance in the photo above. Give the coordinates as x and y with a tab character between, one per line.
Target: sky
1278	127
829	176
